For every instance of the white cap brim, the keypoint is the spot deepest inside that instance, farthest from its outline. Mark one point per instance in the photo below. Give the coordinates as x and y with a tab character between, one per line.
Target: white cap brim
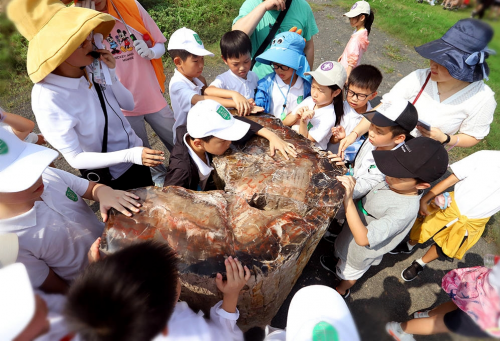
234	133
9	249
199	52
26	169
318	303
17	301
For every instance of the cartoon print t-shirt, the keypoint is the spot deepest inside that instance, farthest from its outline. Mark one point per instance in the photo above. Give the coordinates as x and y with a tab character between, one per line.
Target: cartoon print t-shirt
135	72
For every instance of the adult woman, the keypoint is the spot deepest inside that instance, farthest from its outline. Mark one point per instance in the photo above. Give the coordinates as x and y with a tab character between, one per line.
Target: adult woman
450	96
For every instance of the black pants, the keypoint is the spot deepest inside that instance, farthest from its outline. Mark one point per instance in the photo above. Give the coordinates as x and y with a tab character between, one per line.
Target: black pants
460	323
135	177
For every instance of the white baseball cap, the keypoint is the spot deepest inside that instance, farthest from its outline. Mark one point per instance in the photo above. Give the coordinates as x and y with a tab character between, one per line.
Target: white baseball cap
319	310
9	249
189	40
394	111
21	163
209	118
360	7
17	301
329	73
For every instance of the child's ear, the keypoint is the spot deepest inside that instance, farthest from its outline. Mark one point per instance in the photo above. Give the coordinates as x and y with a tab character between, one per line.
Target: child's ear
400	138
423	185
225	61
337	92
198	143
373	95
177	61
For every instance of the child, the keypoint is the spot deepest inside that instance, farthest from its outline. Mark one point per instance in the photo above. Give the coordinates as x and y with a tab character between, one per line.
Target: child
380	221
187	86
140	69
362	86
45	208
134	294
236	48
281	91
209	131
74	114
17	125
323	110
457	228
361	18
29	315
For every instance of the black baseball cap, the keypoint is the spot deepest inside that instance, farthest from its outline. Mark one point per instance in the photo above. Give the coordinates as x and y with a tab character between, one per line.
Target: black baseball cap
421	157
393	112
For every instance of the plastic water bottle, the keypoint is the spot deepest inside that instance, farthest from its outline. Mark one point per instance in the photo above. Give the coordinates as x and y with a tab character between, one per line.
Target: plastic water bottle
491	260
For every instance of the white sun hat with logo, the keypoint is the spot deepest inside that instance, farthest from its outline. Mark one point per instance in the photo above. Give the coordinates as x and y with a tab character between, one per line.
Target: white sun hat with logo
209	118
17	301
21	163
189	40
360	7
329	73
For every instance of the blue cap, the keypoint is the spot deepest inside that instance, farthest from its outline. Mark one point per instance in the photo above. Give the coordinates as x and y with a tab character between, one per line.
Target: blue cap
287	48
462	50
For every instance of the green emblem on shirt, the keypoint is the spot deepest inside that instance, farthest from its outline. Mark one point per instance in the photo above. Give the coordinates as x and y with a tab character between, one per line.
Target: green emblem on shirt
197	38
223	113
373	166
71	195
283	115
324	331
4	148
300	99
309	126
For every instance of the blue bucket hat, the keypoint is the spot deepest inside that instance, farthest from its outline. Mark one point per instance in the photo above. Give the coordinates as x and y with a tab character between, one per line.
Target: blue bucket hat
287	48
462	50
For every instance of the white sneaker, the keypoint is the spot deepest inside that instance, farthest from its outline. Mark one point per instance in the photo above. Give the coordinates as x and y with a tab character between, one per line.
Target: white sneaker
421	314
394	329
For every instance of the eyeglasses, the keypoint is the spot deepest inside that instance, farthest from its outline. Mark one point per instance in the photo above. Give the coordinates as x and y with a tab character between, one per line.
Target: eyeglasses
360	97
278	66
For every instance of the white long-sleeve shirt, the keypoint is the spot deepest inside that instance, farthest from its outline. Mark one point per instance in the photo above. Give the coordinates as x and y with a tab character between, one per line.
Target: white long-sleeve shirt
70	117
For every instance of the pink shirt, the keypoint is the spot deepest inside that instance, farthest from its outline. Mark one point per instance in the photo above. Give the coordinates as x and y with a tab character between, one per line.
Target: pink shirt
133	71
357	45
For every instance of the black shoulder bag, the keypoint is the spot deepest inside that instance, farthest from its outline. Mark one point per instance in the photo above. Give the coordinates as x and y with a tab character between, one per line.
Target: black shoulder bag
101	175
272	32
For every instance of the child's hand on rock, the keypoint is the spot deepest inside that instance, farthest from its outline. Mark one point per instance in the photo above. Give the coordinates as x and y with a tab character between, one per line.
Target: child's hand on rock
237	276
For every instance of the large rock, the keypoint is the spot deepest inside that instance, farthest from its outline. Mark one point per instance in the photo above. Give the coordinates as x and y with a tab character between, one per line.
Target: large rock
271	214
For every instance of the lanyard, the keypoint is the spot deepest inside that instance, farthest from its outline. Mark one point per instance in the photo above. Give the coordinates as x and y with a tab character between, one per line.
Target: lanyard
282	94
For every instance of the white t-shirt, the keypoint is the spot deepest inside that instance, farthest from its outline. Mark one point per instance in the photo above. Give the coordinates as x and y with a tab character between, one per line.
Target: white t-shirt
477	194
181	92
59	328
320	126
71	119
469	111
351	118
295	96
229	81
203	169
58	231
186	325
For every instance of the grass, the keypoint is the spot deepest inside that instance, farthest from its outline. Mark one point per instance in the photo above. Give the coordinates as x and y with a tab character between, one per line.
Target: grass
316	7
387	69
416	24
393	53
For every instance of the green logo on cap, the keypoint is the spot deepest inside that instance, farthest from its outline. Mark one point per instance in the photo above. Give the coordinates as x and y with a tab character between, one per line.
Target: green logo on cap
71	195
197	38
4	149
300	99
324	331
223	113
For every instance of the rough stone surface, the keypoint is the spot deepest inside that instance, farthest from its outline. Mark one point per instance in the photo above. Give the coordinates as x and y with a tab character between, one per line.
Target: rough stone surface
271	215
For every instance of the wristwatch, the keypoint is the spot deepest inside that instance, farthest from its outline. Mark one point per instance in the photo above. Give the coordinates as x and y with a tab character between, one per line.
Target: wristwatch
448	138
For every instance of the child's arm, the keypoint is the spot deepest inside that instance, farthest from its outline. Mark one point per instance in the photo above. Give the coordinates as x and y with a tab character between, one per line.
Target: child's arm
292	118
20	126
237	276
358	229
435	191
108	198
54	284
303	130
338	133
276	143
240	103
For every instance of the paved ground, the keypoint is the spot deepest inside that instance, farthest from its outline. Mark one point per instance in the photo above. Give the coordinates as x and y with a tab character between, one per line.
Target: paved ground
381	295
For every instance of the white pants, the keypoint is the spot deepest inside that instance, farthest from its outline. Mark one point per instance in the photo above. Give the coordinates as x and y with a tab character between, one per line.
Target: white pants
162	123
346	272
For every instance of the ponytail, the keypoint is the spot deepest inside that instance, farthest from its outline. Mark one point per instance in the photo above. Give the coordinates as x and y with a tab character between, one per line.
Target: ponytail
369	21
338	104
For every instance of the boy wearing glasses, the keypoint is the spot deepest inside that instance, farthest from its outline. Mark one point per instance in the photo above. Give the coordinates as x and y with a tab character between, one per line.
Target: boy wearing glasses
281	91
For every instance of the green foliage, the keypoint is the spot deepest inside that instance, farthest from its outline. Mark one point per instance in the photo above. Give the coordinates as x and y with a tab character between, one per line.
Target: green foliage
210	19
13	51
